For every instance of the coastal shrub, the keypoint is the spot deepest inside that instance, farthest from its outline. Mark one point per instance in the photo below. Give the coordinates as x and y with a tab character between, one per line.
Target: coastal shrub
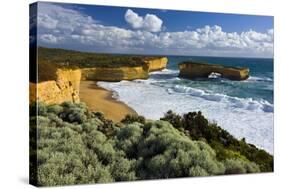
236	166
37	109
74	113
106	126
71	145
226	146
127	139
98	115
197	171
131	118
163	152
174	119
56	109
123	169
73	153
32	147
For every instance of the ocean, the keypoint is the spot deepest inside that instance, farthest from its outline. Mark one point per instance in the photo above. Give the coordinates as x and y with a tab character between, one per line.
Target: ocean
244	108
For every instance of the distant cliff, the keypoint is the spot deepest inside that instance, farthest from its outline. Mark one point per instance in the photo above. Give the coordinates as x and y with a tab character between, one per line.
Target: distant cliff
102	67
69	58
156	64
125	72
203	70
114	74
60	72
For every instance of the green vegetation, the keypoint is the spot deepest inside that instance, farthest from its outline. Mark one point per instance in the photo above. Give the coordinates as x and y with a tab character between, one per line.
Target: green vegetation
133	118
76	146
204	63
225	145
70	58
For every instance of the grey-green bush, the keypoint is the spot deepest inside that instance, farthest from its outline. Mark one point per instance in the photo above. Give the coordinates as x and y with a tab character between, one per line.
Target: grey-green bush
236	166
74	147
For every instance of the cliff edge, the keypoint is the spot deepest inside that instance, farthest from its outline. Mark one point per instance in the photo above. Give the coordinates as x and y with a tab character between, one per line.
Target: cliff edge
60	72
115	74
156	64
125	72
56	85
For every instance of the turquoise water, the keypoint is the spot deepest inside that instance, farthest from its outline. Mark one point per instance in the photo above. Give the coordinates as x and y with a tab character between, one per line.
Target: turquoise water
259	86
244	108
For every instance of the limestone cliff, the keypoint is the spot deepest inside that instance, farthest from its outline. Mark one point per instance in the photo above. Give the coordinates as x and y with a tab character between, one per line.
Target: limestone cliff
125	73
195	70
58	83
64	87
156	64
115	74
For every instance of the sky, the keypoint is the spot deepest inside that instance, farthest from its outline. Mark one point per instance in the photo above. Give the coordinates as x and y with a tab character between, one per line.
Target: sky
129	30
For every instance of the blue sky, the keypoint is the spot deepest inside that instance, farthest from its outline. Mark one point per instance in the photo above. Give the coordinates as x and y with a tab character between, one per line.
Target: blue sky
152	31
181	20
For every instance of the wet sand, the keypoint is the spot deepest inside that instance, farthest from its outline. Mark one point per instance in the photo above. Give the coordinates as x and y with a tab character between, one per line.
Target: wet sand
100	99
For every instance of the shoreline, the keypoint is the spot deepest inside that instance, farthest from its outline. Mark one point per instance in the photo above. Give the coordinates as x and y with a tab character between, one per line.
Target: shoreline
241	122
99	99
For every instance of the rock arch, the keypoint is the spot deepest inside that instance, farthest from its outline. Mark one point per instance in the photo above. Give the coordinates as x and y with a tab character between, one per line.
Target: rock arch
195	70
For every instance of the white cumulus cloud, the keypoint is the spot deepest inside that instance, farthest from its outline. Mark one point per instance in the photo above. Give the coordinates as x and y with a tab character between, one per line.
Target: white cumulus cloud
70	28
149	23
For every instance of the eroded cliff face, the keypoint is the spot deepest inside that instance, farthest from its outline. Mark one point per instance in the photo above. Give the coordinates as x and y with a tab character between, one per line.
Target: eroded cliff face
195	70
125	73
156	64
56	85
65	87
115	74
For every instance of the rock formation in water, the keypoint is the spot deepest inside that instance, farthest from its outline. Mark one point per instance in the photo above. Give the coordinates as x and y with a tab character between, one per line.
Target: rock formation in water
195	70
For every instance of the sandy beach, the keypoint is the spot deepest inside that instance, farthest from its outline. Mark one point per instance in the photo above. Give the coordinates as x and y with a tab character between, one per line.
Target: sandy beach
100	99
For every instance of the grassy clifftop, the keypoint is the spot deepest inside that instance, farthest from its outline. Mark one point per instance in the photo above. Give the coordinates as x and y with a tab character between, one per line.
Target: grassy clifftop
78	59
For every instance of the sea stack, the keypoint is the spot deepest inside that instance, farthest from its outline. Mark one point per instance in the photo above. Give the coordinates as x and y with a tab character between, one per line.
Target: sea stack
193	70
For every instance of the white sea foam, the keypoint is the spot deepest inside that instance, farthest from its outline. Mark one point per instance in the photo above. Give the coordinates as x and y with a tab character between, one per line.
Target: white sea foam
254	78
214	75
244	103
166	71
244	118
